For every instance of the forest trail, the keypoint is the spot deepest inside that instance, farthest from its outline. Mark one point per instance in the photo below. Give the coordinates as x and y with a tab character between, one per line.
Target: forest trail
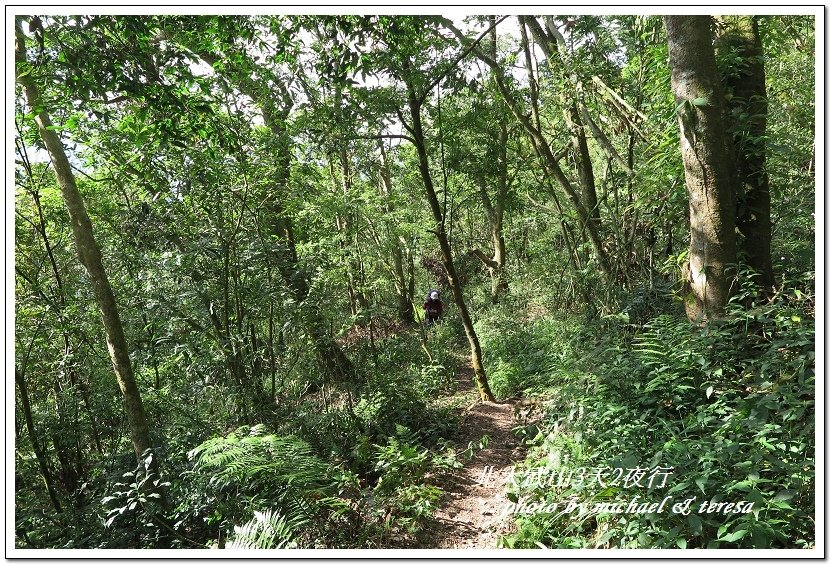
472	510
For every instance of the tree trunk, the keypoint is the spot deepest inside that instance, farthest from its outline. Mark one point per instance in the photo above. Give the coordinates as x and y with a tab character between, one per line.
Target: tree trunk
495	217
446	252
549	161
708	162
76	380
579	141
272	361
67	474
40	453
747	85
346	229
405	312
275	110
410	272
499	283
584	165
495	209
90	257
345	221
403	290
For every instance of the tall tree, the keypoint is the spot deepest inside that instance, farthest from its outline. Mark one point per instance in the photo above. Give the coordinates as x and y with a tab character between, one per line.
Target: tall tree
89	253
496	164
741	52
708	165
548	158
275	101
401	264
414	100
550	42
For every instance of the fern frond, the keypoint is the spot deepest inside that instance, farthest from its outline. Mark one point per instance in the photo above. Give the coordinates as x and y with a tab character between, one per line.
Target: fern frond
280	469
267	530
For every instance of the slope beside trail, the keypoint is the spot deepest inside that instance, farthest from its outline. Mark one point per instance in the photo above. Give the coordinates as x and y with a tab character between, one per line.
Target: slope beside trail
472	511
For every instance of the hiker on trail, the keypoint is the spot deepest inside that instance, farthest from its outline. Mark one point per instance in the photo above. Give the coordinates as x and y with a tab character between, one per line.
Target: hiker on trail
433	306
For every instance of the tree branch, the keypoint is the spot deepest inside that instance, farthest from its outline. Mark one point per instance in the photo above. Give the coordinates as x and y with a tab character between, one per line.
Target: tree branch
379	136
459	58
603	140
115	100
403	121
488	262
539	35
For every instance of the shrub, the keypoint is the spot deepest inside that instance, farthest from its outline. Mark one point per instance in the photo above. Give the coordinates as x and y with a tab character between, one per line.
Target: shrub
728	407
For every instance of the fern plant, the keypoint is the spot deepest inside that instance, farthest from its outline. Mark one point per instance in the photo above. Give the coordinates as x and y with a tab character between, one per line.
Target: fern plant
267	530
280	476
251	457
670	352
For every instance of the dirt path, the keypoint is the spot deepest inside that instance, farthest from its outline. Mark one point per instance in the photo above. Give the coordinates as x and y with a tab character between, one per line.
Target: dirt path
472	509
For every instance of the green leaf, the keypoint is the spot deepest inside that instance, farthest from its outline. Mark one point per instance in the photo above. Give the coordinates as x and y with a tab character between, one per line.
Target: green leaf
784	495
695	524
732	537
700	102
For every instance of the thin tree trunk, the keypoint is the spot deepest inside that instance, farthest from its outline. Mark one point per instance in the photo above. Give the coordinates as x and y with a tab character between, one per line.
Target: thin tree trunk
68	473
89	255
272	366
405	312
548	159
584	165
452	277
579	140
500	285
402	288
495	212
275	110
708	164
410	273
40	453
345	228
68	350
256	363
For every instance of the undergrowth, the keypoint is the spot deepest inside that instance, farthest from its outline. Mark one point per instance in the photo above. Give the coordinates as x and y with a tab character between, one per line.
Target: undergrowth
718	420
346	467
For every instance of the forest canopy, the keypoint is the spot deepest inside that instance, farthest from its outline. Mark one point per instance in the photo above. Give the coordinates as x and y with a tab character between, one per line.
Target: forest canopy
227	234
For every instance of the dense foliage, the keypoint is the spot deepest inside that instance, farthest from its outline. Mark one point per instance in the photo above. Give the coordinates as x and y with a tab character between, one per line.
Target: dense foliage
257	188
